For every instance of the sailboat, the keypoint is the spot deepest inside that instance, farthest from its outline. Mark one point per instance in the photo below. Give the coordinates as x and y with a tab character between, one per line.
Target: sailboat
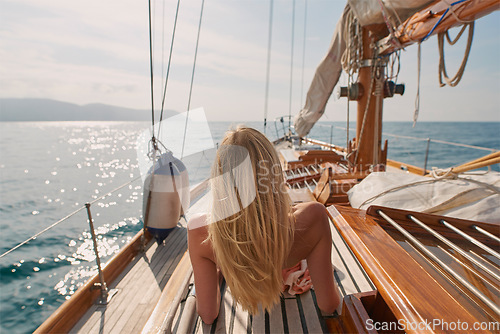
399	269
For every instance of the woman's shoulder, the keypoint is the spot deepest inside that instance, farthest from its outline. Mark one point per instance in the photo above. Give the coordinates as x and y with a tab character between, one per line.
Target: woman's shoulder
197	221
197	229
197	236
309	212
311	218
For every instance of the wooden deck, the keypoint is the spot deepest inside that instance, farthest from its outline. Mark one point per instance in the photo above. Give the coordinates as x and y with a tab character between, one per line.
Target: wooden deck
295	314
139	288
142	284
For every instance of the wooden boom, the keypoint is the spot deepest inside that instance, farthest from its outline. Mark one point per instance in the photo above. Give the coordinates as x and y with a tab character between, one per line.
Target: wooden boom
426	21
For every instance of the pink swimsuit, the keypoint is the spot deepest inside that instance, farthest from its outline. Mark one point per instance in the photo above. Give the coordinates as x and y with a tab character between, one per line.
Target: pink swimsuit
296	280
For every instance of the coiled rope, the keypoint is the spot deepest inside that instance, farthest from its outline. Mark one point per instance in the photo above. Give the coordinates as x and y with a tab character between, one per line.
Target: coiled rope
442	66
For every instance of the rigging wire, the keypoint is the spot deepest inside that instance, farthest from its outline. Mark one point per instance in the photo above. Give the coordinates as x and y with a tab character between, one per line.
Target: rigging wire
303	55
268	66
417	96
33	237
163	40
168	65
192	78
291	69
153	139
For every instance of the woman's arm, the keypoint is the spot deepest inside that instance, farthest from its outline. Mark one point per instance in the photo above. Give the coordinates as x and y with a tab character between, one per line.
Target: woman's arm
205	273
319	261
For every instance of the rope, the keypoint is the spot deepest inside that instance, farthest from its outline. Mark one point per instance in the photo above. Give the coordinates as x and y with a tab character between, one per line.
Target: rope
268	66
192	78
375	66
394	40
442	66
452	11
350	59
168	65
441	18
417	96
291	68
33	237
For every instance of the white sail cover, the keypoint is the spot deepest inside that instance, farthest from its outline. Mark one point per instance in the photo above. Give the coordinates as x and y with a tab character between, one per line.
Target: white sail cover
370	11
470	196
328	72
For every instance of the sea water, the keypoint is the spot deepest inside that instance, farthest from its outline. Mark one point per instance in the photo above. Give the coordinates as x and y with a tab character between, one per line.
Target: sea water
49	170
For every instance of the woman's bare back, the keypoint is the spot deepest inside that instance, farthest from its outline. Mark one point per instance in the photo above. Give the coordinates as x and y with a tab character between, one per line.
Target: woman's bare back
312	241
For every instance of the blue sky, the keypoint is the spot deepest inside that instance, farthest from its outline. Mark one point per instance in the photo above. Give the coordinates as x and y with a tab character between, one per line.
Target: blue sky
97	52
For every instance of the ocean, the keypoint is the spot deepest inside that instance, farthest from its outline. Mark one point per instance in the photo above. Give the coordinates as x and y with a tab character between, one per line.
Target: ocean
49	170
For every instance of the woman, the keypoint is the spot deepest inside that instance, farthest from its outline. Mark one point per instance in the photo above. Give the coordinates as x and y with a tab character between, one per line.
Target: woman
253	232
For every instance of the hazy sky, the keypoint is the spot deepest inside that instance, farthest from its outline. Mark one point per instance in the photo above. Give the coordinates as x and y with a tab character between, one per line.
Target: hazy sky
98	52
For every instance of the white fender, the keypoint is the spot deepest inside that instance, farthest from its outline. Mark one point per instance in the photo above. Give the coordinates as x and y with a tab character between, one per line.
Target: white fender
169	193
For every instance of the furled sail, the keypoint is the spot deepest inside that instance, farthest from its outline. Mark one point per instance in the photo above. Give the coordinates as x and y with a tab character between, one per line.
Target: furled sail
472	196
372	12
367	12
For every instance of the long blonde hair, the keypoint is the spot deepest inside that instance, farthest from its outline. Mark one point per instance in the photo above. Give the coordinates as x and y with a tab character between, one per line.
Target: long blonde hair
251	243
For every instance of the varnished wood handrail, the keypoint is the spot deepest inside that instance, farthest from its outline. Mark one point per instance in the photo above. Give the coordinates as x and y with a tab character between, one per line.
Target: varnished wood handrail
412	293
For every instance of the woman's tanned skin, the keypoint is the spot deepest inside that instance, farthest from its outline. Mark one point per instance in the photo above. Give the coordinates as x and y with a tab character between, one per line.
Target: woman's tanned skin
312	241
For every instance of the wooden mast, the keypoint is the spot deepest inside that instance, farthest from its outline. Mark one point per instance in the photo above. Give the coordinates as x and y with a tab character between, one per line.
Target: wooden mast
369	117
435	18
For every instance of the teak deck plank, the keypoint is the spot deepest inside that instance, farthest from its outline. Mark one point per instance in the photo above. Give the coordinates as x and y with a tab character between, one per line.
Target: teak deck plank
128	301
96	313
240	322
117	310
259	323
295	318
119	320
292	315
148	274
276	320
133	324
132	316
310	313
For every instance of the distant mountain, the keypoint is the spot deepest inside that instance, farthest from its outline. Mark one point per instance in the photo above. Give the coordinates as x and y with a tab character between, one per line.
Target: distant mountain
15	110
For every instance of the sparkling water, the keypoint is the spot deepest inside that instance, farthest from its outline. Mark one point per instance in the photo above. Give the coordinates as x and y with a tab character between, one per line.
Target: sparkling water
51	169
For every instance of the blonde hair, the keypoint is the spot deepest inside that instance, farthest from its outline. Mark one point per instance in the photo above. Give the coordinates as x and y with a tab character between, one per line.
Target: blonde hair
252	243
